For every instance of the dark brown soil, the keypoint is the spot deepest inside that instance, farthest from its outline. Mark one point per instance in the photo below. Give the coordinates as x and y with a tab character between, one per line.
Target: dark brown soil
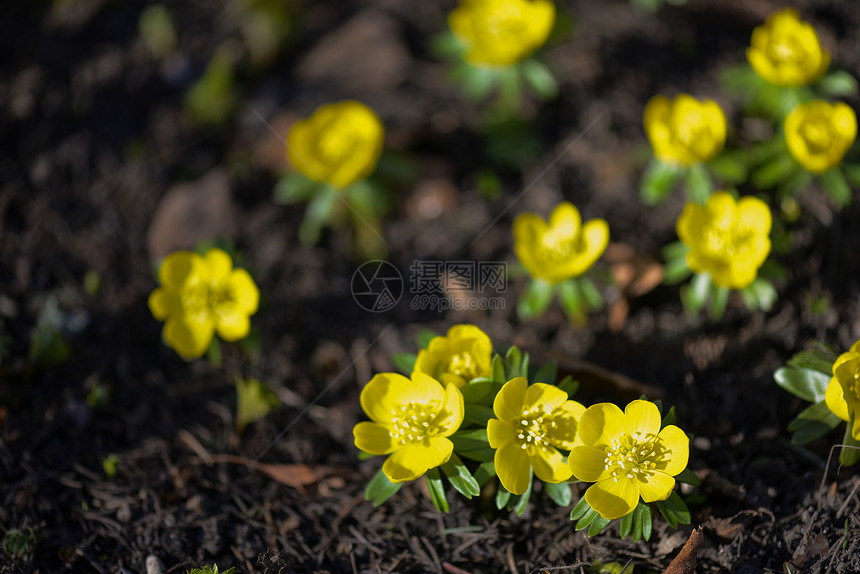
94	137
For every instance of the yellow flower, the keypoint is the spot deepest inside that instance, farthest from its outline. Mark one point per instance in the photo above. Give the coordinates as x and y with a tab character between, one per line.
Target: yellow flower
533	423
460	356
843	392
626	455
685	130
411	421
785	50
819	133
727	239
339	144
562	248
501	32
202	295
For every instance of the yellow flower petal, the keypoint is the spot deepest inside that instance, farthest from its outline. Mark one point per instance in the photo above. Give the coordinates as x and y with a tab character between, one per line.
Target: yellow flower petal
642	417
835	399
566	220
232	325
245	292
500	433
219	264
601	423
383	396
163	303
654	486
566	418
754	214
177	268
549	465
613	499
508	404
188	337
373	438
543	397
450	416
588	464
676	446
690	223
513	468
413	460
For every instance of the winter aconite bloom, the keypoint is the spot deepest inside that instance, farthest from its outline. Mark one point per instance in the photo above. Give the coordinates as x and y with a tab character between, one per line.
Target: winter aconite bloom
726	238
561	248
819	133
458	357
533	423
626	455
785	50
501	32
339	144
202	295
411	420
843	392
685	130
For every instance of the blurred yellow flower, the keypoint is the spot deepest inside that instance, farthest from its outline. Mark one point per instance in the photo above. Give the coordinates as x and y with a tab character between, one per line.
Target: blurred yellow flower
533	423
411	420
843	392
785	50
501	32
819	133
626	455
202	295
458	357
685	130
727	239
339	144
563	247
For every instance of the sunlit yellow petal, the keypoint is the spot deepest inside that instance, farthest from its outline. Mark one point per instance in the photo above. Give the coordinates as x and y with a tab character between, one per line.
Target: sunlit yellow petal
413	460
643	417
676	447
451	414
177	268
601	423
690	223
500	433
232	325
549	465
587	463
835	399
565	219
373	438
245	292
383	396
163	303
188	337
654	486
613	499
219	264
513	468
508	404
544	398
566	418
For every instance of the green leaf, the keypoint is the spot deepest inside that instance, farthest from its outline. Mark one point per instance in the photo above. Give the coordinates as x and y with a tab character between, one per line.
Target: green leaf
404	362
539	78
212	99
760	294
473	444
740	79
718	302
698	183
523	499
446	46
484	472
502	497
294	188
852	172
836	186
850	453
480	390
368	201
581	508
687	476
813	422
499	375
318	213
424	337
642	520
546	374
676	268
669	419
380	489
807	384
798	181
514	362
625	526
571	298
586	519
597	525
460	477
436	489
657	181
837	84
774	172
729	168
475	81
593	299
819	359
569	386
254	400
559	493
536	298
674	510
694	295
157	31
477	414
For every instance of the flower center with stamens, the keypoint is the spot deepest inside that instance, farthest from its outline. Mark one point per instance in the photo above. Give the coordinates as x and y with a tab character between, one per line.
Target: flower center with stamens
415	422
633	456
557	246
463	365
203	297
533	428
